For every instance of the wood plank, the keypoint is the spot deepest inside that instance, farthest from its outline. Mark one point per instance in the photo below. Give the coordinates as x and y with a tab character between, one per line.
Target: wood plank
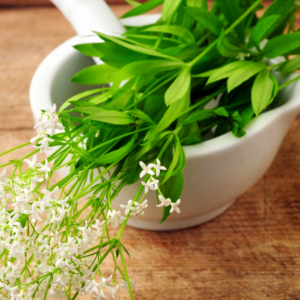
249	252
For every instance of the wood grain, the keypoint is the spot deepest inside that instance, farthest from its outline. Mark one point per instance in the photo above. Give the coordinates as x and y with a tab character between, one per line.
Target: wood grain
252	251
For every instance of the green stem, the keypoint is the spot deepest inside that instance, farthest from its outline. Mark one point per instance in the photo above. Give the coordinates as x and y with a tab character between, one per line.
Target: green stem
13	149
126	273
288	83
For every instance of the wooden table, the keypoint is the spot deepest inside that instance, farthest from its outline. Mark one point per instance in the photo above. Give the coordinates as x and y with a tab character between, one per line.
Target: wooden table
252	251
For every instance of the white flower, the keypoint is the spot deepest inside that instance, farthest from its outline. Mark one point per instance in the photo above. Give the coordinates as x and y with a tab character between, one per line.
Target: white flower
112	292
106	282
4	196
43	123
101	295
164	202
53	125
34	181
175	206
98	227
63	202
146	169
92	287
158	167
43	144
155	183
51	112
148	185
127	207
45	169
114	218
32	163
12	221
124	284
50	195
3	180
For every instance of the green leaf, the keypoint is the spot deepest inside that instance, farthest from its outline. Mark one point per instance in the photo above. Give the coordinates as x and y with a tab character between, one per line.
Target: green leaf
143	8
225	71
143	67
140	115
198	115
120	101
243	73
281	45
232	11
169	8
172	113
118	56
261	92
278	7
116	154
98	74
172	189
177	152
179	87
79	96
290	65
144	50
208	20
263	28
133	3
227	46
197	3
221	111
180	31
88	49
84	154
111	117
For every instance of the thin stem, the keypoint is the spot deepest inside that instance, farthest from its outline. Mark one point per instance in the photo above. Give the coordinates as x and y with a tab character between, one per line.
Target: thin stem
288	83
13	149
126	272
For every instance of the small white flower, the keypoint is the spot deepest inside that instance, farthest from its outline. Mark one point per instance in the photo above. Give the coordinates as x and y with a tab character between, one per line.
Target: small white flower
4	197
124	284
92	287
43	123
114	218
63	202
106	282
158	167
175	206
53	125
43	144
164	202
3	180
32	163
51	112
101	295
155	183
45	169
148	185
112	292
50	195
127	207
98	227
146	169
34	181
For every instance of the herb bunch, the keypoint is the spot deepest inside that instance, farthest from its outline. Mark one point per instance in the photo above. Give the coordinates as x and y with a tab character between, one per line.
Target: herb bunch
156	82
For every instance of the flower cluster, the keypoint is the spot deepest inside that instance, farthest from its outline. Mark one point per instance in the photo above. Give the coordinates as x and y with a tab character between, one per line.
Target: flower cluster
48	121
137	209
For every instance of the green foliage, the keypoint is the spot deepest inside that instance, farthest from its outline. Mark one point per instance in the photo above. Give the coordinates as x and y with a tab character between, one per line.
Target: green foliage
161	76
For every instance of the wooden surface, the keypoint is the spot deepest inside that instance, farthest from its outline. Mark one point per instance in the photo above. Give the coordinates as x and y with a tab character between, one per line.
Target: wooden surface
252	251
15	3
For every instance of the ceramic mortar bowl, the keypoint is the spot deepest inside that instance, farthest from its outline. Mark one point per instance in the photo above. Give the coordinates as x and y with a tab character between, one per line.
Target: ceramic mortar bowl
216	172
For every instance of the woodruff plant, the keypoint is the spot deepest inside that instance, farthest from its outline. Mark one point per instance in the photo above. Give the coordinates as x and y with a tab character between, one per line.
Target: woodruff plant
52	241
